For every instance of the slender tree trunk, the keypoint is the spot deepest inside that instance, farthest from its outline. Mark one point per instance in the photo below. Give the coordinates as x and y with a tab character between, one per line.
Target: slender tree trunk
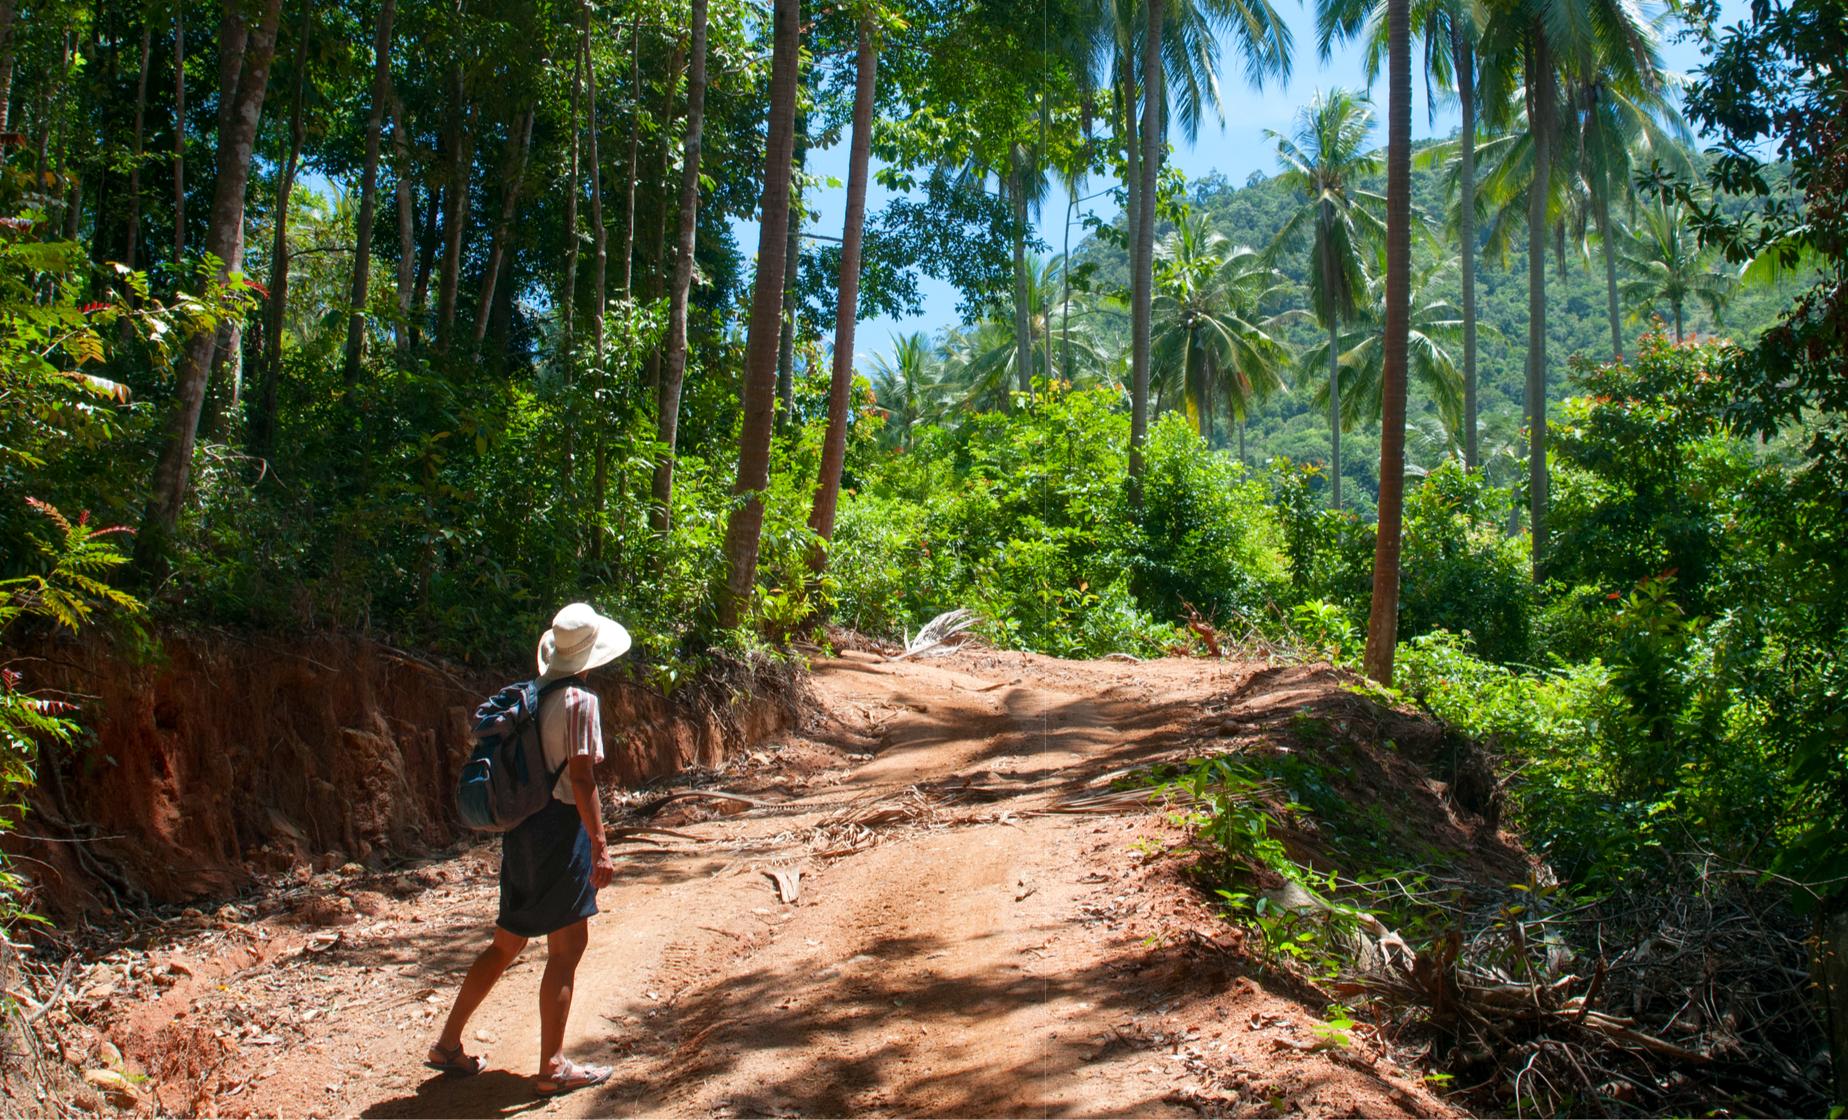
1241	440
567	295
368	194
745	526
599	294
224	239
792	262
635	140
456	210
276	309
599	236
1334	415
1023	315
1383	617
1603	204
1680	335
132	227
228	355
518	144
179	134
658	269
406	196
673	376
847	308
427	240
9	16
1464	52
1142	257
1540	113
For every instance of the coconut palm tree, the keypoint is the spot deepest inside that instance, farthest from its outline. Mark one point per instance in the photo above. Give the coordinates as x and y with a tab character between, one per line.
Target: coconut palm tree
1533	45
1434	336
982	362
1618	130
1449	30
1323	163
905	385
1163	55
1210	339
1667	266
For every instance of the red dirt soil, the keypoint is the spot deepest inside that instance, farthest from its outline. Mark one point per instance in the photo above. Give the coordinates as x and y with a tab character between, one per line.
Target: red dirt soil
957	947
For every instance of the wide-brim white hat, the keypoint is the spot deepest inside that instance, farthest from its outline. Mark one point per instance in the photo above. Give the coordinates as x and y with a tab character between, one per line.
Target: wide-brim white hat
580	639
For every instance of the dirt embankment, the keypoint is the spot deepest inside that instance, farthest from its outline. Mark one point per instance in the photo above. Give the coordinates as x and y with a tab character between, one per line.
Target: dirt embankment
224	756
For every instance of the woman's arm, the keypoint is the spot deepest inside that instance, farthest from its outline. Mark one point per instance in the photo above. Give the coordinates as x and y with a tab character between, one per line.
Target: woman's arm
590	811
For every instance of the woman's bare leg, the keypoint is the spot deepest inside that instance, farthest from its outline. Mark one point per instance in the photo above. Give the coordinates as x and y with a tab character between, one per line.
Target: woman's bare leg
478	983
563	951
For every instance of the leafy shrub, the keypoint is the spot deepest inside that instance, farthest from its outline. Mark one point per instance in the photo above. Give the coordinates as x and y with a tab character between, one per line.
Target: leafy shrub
1460	572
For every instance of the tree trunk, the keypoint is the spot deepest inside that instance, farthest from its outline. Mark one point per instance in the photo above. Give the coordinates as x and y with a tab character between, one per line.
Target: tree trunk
1540	113
228	354
847	307
276	309
368	194
1334	415
599	295
1679	334
1142	255
673	376
1023	315
657	272
179	137
223	239
405	190
518	144
635	141
1831	972
1464	50
426	259
1383	616
456	208
567	295
132	226
9	16
745	526
600	243
792	262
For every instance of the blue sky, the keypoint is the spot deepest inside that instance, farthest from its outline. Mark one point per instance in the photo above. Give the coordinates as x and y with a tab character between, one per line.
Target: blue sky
1235	151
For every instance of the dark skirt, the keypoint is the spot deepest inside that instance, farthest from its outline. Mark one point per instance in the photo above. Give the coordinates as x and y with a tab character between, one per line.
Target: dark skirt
545	873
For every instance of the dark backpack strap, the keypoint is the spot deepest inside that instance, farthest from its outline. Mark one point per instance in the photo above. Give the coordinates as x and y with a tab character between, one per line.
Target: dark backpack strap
545	690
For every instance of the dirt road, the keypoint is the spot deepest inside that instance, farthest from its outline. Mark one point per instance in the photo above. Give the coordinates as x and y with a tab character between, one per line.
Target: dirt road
955	947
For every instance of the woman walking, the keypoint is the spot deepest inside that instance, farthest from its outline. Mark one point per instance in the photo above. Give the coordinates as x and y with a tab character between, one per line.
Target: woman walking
554	862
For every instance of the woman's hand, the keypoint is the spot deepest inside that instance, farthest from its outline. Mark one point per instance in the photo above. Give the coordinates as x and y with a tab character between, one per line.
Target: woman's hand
602	869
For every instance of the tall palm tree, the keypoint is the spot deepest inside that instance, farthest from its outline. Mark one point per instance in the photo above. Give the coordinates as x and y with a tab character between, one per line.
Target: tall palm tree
1534	44
1323	163
1210	339
1449	30
1434	334
1667	266
1620	129
1163	55
1383	617
983	362
905	386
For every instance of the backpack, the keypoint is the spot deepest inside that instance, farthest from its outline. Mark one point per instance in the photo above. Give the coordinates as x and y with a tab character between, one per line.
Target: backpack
505	779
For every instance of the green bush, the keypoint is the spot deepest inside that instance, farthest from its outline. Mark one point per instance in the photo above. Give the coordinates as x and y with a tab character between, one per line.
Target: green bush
1460	572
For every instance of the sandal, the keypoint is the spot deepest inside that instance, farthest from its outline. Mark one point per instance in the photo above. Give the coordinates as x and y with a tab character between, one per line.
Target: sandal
570	1077
453	1062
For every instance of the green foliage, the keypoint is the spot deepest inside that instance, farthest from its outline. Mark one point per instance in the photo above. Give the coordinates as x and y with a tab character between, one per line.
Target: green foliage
1459	570
1021	517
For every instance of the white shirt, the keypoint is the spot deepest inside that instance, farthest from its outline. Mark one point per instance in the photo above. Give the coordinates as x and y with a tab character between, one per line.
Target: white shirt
569	725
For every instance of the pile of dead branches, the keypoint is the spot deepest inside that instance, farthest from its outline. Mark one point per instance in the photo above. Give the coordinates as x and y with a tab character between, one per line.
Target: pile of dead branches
1690	1003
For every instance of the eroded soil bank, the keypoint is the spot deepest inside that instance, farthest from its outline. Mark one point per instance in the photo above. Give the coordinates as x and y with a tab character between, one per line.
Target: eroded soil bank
217	758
